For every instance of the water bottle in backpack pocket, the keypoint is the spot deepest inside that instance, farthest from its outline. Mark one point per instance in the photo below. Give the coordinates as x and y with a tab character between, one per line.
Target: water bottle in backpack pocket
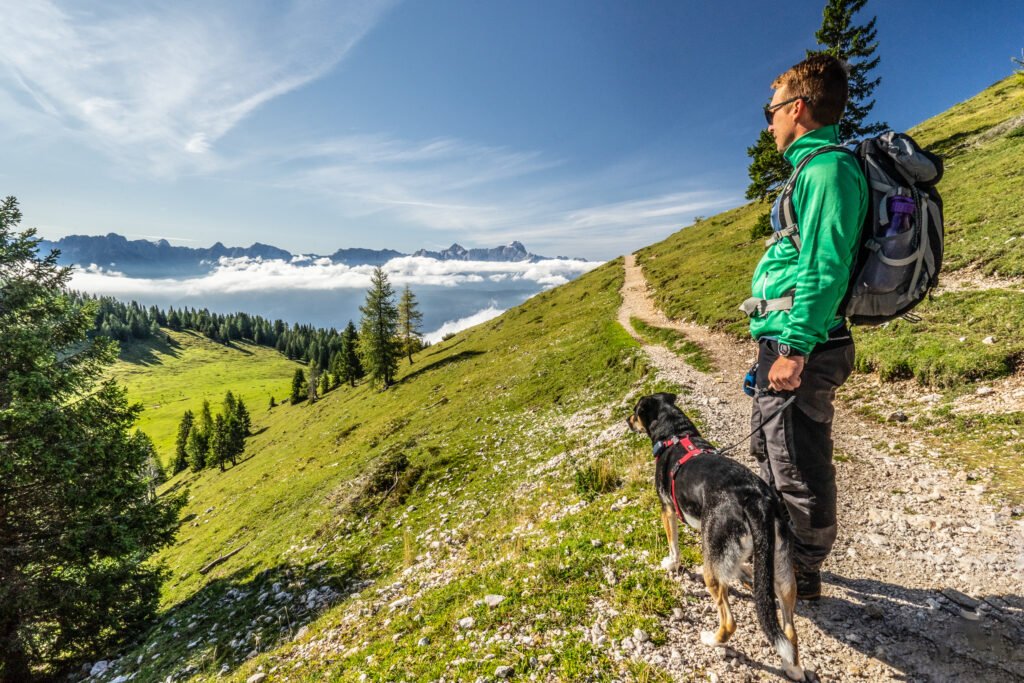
895	246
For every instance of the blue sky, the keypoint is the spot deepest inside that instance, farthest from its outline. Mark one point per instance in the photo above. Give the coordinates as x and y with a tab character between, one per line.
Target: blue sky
585	128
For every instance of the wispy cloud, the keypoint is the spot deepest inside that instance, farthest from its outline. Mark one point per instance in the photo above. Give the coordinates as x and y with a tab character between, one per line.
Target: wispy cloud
156	86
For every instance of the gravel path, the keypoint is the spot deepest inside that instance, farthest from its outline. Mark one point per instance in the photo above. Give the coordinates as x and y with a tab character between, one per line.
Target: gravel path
925	583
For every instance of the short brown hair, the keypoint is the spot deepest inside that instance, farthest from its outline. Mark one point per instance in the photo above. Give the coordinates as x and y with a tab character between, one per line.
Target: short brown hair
823	81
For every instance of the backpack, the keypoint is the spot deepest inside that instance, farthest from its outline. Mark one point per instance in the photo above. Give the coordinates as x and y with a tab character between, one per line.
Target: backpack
901	241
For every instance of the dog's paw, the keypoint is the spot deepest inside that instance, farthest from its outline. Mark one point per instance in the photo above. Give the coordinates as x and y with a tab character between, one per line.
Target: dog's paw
794	672
710	638
670	563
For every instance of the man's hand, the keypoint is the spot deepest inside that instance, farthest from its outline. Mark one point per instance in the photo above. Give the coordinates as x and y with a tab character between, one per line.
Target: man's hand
784	374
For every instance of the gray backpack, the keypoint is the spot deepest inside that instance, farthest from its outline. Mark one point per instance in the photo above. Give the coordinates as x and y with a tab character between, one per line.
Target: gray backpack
901	240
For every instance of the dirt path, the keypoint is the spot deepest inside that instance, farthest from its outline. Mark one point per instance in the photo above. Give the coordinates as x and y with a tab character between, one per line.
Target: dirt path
924	584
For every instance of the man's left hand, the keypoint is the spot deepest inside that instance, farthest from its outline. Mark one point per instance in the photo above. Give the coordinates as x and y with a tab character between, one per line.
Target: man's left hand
784	374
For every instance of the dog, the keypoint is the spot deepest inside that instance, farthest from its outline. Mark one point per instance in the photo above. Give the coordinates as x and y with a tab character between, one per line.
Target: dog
739	518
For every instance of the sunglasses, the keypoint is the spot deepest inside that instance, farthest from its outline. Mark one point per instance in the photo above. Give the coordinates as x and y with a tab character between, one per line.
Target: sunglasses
769	109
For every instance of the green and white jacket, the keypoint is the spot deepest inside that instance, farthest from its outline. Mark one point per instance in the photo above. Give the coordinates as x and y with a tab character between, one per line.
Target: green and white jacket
830	200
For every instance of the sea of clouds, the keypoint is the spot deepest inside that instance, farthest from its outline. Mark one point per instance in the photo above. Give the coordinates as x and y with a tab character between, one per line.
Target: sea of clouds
453	295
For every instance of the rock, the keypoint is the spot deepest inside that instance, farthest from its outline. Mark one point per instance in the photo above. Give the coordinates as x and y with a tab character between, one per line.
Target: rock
898	416
988	340
677	613
493	600
400	602
423	642
984	391
256	678
504	672
546	659
467	622
99	668
596	543
873	611
640	635
712	677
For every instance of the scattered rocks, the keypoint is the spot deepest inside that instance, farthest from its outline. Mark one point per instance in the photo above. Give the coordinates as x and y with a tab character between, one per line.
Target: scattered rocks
988	340
256	678
467	622
504	672
898	416
493	600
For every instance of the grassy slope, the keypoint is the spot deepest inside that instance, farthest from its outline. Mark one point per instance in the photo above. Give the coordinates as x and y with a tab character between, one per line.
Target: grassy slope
170	377
488	503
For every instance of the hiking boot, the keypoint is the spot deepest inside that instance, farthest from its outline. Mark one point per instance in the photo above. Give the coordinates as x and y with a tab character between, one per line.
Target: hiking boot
808	584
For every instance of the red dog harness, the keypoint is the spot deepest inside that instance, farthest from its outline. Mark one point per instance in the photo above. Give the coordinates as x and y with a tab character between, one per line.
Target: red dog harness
691	451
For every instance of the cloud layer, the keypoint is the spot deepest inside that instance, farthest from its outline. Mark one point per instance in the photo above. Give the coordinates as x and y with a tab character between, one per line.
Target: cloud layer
243	275
453	326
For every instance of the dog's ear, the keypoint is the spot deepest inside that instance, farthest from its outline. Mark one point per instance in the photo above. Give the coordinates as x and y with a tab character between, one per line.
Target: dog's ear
666	397
647	410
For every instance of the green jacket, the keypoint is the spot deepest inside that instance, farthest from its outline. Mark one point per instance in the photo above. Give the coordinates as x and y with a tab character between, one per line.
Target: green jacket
830	200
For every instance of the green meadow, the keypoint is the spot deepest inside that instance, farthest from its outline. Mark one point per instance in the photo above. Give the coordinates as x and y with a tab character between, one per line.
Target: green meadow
168	377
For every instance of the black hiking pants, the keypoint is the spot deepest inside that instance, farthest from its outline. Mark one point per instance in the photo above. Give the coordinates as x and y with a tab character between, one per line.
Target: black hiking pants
795	448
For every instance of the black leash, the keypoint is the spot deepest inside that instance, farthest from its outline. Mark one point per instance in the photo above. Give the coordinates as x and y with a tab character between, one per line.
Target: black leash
765	421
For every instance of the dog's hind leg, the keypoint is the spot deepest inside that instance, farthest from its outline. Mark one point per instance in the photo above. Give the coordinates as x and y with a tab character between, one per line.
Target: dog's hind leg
671	524
720	594
785	591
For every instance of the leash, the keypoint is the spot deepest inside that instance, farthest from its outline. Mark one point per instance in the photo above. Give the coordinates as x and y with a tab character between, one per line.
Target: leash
765	421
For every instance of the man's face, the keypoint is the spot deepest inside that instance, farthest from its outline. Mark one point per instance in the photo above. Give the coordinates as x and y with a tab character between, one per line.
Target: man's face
783	126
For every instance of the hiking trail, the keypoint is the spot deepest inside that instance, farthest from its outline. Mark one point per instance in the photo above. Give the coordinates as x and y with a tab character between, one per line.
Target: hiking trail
925	580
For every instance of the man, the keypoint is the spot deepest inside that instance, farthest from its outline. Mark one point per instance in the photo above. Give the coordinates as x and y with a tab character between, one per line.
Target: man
804	347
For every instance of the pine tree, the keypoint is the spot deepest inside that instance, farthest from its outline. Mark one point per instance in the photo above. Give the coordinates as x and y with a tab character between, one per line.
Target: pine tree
377	339
409	322
78	521
325	384
854	44
220	442
298	386
180	453
351	368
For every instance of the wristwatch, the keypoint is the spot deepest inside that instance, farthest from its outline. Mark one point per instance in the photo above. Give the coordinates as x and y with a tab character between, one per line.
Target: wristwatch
788	351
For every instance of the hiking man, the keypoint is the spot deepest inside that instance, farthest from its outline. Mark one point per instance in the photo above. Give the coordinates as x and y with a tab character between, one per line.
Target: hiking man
804	347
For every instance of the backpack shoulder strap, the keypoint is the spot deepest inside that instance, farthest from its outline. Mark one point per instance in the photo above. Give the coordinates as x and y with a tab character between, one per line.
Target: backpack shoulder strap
787	215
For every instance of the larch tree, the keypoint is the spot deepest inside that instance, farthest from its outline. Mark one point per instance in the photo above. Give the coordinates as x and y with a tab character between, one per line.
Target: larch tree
410	320
78	518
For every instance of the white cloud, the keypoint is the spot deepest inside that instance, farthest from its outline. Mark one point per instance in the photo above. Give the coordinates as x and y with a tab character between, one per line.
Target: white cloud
156	85
453	326
239	275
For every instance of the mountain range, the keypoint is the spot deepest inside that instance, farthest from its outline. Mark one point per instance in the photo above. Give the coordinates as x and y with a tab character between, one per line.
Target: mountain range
158	258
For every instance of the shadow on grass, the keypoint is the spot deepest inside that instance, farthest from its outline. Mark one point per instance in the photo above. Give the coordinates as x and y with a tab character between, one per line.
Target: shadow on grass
149	352
438	364
238	615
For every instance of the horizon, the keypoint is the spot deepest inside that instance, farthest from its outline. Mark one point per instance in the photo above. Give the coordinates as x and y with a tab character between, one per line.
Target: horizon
583	131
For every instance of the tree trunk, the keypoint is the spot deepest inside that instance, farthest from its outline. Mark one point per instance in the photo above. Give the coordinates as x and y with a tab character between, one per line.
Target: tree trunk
14	665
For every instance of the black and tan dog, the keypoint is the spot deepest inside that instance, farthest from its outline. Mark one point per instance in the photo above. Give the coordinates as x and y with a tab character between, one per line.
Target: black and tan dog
739	518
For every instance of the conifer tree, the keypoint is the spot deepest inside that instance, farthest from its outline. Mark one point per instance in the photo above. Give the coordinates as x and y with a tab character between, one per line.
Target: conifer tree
855	44
325	384
410	320
350	367
298	386
78	521
181	443
314	383
220	442
378	345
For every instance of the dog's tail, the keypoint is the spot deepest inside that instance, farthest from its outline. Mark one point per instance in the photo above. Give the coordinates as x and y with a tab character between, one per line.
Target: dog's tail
760	515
